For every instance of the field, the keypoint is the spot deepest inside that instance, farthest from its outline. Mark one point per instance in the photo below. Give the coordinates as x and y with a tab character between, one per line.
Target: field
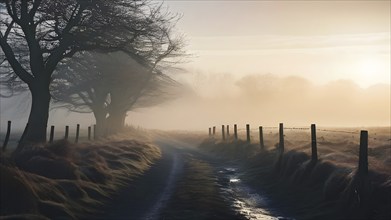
76	181
329	188
337	145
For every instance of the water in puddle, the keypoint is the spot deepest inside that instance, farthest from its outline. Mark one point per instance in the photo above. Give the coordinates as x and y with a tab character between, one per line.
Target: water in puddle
243	199
234	180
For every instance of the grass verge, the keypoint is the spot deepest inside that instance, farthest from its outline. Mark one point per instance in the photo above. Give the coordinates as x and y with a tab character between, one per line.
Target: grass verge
309	189
70	181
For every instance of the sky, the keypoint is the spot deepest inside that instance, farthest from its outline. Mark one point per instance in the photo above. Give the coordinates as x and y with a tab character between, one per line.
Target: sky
319	40
265	62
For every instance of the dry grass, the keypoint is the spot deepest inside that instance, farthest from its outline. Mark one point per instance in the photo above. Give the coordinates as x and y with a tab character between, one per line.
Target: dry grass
330	188
339	148
67	180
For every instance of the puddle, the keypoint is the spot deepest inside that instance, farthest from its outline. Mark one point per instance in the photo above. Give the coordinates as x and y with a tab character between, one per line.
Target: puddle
234	180
243	199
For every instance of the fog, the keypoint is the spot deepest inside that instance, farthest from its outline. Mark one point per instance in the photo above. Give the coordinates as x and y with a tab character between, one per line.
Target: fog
267	99
17	110
259	99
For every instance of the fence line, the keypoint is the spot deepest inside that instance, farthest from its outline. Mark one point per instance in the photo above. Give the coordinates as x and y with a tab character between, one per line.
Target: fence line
91	134
363	147
248	132
356	132
51	134
236	131
223	131
7	136
66	132
363	153
261	144
314	146
339	131
281	138
77	133
94	131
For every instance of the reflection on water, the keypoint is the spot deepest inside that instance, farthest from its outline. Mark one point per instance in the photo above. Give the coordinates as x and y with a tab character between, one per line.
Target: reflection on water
243	199
234	180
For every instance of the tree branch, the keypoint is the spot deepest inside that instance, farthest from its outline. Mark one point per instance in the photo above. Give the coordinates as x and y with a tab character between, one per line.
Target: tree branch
58	53
19	70
34	10
9	28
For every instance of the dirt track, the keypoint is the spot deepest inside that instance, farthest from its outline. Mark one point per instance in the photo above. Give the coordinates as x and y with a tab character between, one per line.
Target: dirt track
187	184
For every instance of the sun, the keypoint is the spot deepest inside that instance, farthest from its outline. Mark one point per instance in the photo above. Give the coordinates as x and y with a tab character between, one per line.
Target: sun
369	67
368	71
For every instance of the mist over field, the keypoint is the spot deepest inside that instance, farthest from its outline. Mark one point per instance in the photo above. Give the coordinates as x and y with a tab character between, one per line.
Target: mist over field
17	110
264	99
267	99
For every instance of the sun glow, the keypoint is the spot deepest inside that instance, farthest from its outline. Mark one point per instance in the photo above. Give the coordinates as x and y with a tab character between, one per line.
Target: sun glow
370	67
369	70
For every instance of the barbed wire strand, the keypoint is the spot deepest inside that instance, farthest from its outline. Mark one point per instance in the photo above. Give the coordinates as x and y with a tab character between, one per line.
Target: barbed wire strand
357	132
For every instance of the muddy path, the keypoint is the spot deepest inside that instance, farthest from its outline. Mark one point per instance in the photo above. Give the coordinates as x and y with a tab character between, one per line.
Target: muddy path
187	184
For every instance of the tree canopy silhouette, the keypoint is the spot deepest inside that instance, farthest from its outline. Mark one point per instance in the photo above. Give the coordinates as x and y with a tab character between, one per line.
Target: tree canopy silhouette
109	85
36	35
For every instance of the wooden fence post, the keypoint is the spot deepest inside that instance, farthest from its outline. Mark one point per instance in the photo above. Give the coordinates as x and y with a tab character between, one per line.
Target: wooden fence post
51	134
227	130
261	144
236	131
248	132
94	131
314	147
210	132
281	143
77	133
89	133
214	130
223	132
66	132
363	155
23	134
7	136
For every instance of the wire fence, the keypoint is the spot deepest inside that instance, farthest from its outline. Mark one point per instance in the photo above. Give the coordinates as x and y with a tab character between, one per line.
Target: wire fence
252	130
87	133
310	132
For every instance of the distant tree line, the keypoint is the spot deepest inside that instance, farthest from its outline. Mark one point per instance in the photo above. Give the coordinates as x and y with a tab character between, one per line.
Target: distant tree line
104	57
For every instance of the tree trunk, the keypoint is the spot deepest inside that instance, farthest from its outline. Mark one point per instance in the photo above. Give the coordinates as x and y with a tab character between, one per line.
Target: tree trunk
35	132
116	121
100	119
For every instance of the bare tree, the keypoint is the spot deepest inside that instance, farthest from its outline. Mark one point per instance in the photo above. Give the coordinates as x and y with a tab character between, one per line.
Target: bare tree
111	84
165	52
35	35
